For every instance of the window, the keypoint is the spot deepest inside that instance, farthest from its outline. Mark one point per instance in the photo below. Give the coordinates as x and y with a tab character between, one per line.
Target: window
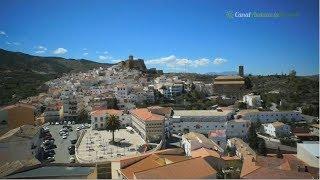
232	126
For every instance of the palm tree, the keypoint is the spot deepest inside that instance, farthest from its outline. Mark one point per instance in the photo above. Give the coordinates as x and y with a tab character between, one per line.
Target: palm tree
113	124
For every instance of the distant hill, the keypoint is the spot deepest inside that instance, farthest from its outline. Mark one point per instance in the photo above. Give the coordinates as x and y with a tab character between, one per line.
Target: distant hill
54	65
223	73
22	74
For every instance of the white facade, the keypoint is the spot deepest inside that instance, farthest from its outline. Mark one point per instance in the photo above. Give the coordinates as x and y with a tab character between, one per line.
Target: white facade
308	152
276	129
200	121
237	128
272	116
170	89
99	118
252	100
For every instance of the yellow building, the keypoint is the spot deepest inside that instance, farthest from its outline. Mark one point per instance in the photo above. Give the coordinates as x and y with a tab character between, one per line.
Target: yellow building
17	115
230	86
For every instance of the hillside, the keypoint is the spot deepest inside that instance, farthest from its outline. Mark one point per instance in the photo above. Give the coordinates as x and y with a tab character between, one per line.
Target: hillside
21	74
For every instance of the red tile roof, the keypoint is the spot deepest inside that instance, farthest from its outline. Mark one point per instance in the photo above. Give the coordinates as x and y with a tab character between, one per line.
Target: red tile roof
145	115
107	111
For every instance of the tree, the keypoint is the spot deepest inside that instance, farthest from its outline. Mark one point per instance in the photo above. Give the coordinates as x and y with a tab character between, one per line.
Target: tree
252	137
262	147
83	116
242	105
279	154
113	124
247	83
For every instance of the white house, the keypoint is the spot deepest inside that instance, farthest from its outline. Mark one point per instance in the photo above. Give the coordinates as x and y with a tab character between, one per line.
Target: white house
269	116
237	128
276	129
99	120
192	141
200	121
252	100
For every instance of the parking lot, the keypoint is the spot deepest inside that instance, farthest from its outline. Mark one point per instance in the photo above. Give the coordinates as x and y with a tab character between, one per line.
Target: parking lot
62	153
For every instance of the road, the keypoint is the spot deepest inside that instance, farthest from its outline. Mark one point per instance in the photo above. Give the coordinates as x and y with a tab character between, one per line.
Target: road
62	153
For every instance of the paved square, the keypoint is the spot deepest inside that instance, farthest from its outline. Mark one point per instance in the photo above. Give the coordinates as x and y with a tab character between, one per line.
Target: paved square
95	146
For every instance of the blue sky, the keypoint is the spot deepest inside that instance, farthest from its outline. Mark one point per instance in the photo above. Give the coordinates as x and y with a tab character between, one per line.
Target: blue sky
173	35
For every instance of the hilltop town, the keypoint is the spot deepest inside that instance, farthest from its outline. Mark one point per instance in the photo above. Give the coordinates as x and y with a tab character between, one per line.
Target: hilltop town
125	121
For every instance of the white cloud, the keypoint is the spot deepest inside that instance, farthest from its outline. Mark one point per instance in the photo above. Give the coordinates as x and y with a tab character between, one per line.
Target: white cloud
163	60
116	60
104	57
40	52
13	43
3	33
172	61
85	54
219	61
201	62
41	48
106	52
60	51
84	49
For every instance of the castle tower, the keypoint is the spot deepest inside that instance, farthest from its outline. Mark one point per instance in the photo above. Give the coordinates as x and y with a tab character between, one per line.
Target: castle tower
130	57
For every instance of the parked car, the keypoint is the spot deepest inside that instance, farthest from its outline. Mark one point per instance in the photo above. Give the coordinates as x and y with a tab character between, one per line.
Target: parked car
73	122
50	146
71	148
50	159
71	152
73	141
72	160
57	123
64	137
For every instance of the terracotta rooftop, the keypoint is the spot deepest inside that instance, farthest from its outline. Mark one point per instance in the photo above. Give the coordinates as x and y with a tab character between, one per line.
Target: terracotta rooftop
18	105
179	170
152	160
145	115
271	167
25	131
204	152
217	133
107	111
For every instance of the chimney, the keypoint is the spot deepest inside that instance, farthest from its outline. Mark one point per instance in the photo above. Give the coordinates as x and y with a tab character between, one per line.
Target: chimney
241	71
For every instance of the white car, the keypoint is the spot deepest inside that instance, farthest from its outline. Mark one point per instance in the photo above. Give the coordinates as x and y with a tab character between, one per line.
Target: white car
78	129
73	122
64	137
57	123
69	122
72	160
